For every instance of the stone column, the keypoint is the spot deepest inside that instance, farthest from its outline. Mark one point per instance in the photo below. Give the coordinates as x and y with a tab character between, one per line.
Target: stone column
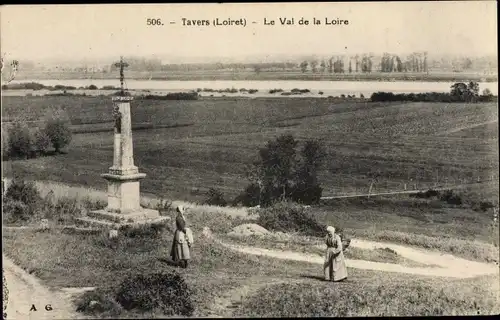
123	177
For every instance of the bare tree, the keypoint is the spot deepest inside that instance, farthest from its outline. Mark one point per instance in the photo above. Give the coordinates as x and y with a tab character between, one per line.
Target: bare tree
13	67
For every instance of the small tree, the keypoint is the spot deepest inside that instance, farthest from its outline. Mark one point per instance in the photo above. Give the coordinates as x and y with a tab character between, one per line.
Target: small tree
283	173
13	67
59	134
307	188
303	66
487	92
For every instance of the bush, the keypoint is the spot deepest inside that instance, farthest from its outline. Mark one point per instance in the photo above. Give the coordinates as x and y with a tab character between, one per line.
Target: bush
21	201
249	197
290	217
147	230
426	195
215	197
59	134
15	211
451	198
24	191
63	210
167	292
99	303
20	141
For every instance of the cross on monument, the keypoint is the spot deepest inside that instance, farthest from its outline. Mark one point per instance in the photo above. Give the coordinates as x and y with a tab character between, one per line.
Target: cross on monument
122	64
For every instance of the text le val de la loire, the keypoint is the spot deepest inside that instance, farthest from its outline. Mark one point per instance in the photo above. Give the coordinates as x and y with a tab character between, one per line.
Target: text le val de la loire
280	21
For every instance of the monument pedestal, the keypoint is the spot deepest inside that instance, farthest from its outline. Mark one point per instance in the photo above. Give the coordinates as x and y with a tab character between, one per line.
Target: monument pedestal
124	203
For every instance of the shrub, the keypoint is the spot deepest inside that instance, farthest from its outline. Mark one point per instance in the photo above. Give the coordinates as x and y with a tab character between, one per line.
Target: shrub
147	230
290	217
167	292
24	191
98	302
426	195
21	200
485	205
59	133
92	87
215	197
164	206
20	141
63	210
15	211
249	197
451	198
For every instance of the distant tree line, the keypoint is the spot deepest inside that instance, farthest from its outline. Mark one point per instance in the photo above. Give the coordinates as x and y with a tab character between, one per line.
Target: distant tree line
459	92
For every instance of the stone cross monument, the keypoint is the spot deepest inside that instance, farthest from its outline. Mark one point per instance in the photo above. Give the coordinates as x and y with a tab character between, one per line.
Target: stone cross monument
123	176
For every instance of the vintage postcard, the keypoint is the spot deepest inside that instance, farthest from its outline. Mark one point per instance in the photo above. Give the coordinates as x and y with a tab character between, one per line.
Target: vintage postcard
250	160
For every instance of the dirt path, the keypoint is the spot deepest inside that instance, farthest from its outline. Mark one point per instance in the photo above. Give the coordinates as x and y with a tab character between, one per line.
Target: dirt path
449	266
470	126
457	186
25	290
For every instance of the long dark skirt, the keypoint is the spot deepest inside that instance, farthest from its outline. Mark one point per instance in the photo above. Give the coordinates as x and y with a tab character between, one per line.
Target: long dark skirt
180	252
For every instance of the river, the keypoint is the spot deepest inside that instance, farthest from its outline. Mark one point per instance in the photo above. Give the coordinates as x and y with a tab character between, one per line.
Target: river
329	88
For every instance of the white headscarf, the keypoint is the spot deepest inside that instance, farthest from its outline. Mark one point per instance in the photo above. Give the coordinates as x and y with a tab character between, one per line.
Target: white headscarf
180	209
331	230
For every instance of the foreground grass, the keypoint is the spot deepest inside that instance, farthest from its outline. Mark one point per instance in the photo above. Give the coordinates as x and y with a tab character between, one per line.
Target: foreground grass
63	260
381	296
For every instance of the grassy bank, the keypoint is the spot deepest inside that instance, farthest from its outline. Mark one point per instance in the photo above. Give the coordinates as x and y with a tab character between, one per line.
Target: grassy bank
399	296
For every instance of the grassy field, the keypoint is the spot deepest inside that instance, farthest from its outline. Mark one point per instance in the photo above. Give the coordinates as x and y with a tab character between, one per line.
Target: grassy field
186	147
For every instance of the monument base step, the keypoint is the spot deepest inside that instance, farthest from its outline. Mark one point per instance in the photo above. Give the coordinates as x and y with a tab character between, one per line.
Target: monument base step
129	217
111	220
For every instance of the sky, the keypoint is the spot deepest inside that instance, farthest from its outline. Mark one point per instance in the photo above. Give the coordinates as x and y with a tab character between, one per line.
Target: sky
38	32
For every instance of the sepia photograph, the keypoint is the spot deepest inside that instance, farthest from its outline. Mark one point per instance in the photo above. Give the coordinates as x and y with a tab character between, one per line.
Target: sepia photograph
249	160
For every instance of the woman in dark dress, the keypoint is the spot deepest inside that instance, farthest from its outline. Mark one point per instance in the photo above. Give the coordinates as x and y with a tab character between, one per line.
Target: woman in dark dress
180	252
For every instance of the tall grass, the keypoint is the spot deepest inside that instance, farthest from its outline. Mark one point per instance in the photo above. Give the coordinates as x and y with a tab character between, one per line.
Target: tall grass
84	194
373	297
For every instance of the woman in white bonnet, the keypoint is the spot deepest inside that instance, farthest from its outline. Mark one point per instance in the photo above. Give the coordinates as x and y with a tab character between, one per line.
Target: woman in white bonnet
335	268
181	245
